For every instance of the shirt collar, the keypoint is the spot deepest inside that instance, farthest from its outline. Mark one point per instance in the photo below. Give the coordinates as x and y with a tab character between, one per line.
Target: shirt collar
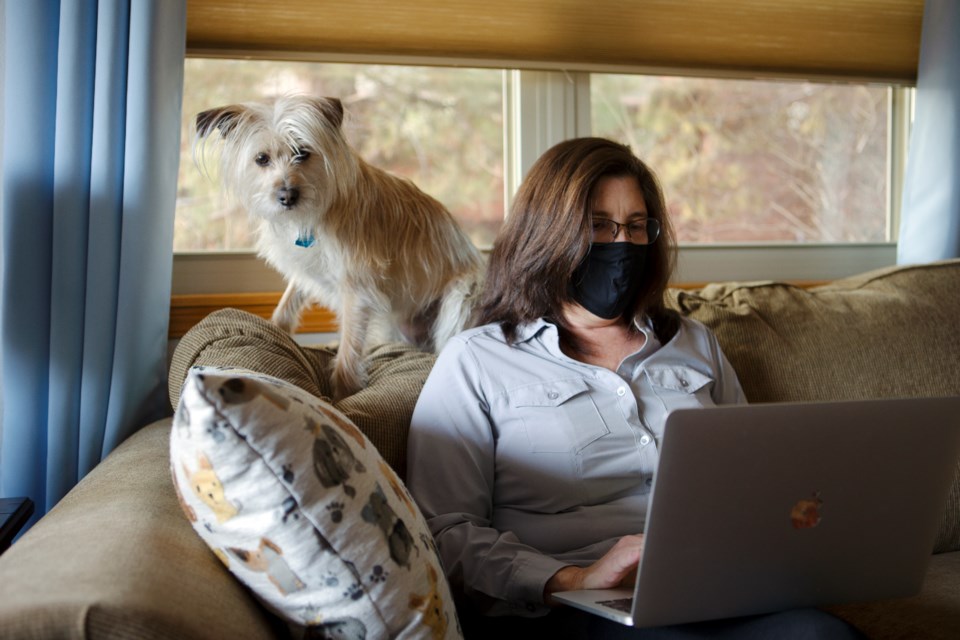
531	330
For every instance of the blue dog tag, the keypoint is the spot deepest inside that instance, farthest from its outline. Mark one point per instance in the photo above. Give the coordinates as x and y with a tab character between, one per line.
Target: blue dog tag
305	239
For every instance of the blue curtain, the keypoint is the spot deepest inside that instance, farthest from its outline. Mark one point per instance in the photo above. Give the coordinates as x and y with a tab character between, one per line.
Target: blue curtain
91	142
930	215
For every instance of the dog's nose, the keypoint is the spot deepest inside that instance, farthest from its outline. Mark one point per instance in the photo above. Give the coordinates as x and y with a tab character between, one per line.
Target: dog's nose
288	197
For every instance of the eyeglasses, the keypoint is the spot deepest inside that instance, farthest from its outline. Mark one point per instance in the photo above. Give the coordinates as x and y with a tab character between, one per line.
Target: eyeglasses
644	231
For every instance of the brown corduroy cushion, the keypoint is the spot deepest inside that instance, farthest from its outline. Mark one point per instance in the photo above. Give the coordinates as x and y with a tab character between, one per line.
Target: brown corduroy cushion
888	333
234	338
395	373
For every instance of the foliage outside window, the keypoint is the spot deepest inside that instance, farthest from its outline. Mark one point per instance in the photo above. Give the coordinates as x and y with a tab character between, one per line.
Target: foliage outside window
741	161
756	161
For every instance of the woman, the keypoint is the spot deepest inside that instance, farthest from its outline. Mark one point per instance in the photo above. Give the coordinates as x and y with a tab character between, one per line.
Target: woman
534	442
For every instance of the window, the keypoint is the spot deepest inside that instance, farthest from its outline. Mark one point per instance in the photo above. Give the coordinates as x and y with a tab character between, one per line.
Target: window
764	179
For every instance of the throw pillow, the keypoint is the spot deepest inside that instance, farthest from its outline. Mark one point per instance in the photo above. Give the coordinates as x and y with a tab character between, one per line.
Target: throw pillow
301	508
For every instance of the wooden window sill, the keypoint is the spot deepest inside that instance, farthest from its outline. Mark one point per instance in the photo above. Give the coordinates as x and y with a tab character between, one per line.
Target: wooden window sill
188	310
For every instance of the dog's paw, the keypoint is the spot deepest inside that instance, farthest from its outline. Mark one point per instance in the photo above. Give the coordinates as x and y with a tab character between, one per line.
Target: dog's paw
346	382
286	323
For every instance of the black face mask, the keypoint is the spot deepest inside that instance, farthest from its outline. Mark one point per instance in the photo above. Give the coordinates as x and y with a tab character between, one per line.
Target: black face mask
606	282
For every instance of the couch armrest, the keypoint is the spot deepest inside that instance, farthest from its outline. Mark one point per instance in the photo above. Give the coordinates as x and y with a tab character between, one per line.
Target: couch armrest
117	558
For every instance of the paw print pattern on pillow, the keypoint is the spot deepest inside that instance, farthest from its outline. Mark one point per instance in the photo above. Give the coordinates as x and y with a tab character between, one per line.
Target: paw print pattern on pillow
301	508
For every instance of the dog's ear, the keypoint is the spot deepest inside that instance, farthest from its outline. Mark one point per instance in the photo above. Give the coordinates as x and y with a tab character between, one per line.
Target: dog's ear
331	109
222	118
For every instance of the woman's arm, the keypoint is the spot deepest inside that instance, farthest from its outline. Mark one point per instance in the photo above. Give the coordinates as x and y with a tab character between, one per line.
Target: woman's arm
451	459
616	568
727	389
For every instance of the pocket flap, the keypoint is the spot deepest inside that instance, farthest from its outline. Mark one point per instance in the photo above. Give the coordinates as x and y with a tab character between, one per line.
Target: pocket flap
547	394
678	379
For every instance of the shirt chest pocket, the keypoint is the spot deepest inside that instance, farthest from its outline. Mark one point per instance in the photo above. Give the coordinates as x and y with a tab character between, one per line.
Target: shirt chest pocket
559	416
681	387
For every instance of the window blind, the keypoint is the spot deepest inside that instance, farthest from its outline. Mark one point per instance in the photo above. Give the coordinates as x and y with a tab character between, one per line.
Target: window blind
864	39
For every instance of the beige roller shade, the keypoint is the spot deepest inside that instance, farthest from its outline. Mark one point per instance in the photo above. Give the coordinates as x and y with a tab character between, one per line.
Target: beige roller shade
870	39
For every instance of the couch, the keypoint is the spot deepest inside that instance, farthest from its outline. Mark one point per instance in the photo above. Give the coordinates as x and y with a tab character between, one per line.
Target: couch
116	558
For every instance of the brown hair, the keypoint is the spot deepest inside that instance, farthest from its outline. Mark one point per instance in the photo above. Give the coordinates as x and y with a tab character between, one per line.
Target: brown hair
548	233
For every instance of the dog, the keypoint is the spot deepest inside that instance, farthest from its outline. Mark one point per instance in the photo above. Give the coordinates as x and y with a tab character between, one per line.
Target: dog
387	258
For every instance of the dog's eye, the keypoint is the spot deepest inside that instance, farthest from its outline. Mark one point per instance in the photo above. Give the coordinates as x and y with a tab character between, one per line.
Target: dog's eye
301	155
262	159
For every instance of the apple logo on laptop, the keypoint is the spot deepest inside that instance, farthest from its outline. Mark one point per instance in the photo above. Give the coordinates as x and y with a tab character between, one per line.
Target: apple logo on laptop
806	512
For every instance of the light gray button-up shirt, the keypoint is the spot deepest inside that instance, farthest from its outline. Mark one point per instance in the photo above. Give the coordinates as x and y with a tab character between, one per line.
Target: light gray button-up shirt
525	460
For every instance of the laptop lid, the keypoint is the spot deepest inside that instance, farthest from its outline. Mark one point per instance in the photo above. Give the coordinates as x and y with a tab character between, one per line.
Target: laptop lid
761	508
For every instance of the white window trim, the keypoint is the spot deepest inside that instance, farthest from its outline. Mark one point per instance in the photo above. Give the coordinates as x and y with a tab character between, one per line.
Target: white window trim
542	108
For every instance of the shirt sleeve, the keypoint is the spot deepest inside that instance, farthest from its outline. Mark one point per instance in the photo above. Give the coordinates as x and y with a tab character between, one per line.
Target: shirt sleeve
450	462
727	389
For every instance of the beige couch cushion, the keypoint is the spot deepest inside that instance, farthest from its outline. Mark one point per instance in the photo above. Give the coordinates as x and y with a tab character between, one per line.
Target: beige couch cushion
108	561
933	614
887	333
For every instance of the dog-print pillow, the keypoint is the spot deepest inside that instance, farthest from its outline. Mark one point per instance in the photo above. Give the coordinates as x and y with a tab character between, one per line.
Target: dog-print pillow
301	508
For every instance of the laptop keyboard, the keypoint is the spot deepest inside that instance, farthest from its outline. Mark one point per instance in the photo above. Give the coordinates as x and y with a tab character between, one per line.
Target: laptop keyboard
620	604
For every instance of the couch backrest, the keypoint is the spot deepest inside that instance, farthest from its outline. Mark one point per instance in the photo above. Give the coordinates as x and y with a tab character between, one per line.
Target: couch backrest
892	332
888	333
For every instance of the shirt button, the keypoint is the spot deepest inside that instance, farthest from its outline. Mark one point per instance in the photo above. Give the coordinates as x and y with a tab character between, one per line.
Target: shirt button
645	440
553	395
649	482
621	391
683	382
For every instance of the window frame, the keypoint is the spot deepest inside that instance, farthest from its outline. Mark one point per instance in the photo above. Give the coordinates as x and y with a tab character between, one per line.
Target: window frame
543	107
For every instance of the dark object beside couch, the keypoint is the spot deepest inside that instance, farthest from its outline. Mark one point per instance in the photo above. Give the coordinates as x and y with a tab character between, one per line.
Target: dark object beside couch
117	558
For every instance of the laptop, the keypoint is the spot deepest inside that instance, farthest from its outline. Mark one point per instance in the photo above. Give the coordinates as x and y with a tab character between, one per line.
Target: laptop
768	507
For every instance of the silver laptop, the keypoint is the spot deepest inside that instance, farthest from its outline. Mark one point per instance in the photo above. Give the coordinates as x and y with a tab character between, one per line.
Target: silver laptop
768	507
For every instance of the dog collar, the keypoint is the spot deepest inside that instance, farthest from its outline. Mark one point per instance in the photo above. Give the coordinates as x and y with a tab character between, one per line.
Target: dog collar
304	238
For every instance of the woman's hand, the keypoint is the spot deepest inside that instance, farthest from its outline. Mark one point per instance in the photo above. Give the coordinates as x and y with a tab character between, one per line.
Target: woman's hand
618	566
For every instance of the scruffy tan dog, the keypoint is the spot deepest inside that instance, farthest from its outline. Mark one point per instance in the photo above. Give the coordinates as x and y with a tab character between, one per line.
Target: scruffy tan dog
387	258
